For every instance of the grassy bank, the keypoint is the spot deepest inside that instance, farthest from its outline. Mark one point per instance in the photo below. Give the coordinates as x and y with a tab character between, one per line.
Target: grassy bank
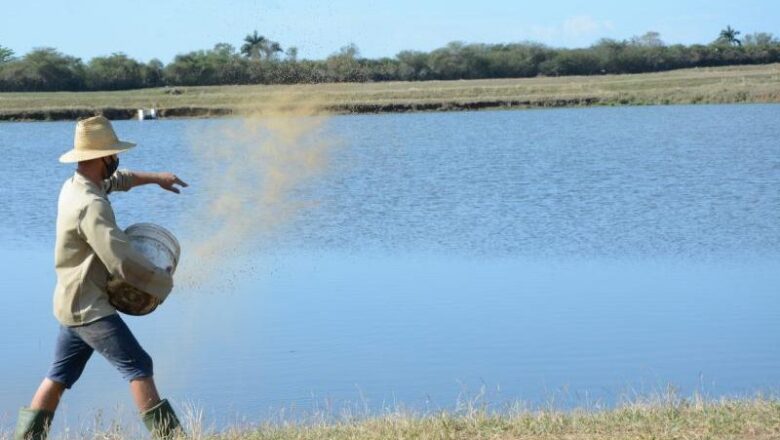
664	418
735	84
684	419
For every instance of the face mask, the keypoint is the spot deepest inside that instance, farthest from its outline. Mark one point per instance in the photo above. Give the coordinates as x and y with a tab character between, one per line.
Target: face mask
111	167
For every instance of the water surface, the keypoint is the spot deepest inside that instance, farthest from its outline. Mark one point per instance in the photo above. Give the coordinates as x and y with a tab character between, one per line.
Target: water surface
575	255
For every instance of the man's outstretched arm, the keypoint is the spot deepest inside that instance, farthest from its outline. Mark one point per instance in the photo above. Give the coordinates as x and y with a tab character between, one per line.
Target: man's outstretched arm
165	180
124	180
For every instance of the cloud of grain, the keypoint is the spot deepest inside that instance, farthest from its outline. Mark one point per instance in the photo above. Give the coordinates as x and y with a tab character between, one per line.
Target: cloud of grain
255	173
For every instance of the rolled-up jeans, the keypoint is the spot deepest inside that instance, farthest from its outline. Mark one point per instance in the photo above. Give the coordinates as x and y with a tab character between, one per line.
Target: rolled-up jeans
110	337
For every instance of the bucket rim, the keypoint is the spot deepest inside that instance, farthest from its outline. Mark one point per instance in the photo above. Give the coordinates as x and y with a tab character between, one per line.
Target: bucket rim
157	229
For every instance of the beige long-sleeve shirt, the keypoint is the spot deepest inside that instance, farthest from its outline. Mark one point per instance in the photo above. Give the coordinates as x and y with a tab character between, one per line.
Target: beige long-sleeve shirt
90	248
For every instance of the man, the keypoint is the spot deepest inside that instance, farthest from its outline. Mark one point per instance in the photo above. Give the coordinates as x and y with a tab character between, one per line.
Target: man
90	249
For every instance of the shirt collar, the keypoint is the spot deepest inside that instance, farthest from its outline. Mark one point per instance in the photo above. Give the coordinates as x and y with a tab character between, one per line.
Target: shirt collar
83	180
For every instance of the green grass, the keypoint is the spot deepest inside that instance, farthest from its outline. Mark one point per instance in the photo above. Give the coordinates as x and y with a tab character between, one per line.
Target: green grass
672	419
723	420
662	418
733	84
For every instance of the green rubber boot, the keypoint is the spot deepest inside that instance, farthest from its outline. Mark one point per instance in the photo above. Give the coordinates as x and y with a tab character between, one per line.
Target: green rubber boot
161	421
33	424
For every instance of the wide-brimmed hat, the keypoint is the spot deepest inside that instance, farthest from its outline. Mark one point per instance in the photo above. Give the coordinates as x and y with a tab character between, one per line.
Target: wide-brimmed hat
94	138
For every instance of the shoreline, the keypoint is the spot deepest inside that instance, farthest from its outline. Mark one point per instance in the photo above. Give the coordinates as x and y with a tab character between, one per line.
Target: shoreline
664	417
717	85
353	109
357	108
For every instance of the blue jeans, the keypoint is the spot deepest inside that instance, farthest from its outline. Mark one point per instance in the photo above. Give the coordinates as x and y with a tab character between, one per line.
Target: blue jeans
111	337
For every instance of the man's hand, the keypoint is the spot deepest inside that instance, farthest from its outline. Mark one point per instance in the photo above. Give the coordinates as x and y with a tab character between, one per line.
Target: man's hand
168	180
165	180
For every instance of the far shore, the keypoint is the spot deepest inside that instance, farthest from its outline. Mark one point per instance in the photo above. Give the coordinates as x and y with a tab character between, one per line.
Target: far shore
717	85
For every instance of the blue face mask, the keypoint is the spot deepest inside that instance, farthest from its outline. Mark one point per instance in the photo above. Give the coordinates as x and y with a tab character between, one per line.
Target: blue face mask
111	167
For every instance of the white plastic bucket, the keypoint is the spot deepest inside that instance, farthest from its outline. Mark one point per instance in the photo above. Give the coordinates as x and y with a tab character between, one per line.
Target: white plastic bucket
162	249
156	243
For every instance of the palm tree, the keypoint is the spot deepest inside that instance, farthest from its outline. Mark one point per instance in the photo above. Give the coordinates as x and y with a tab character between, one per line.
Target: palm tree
729	36
271	48
292	53
257	46
253	46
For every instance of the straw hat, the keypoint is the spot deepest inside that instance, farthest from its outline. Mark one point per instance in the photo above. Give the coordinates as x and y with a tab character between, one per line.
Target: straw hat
94	138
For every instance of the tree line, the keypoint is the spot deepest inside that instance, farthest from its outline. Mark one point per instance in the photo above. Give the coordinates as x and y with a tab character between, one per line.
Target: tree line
260	60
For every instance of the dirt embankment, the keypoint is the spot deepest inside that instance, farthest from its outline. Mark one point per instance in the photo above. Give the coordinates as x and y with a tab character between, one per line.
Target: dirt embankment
357	108
72	114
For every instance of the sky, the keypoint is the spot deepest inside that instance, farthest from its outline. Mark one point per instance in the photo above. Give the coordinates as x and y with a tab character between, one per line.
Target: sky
145	29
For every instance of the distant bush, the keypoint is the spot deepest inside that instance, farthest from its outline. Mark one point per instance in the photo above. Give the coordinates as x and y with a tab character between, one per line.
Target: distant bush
43	69
220	65
6	54
114	72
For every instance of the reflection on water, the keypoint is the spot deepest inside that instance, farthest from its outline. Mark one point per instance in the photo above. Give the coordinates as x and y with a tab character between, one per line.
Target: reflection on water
424	330
580	255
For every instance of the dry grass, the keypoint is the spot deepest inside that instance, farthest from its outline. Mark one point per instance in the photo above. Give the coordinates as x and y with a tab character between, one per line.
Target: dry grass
704	85
666	418
683	419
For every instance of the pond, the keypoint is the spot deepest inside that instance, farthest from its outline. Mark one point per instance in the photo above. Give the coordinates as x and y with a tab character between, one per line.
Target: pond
576	256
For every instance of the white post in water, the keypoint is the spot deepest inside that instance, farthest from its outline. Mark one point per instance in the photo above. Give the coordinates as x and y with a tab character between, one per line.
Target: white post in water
147	114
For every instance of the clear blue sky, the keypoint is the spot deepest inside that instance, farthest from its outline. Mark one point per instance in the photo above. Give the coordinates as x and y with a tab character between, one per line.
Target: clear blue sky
147	29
